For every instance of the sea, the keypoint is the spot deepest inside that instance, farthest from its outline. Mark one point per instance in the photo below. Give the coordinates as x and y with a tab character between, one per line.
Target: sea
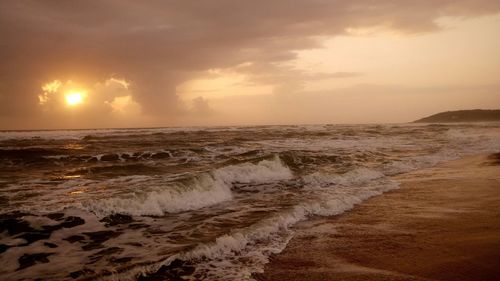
197	203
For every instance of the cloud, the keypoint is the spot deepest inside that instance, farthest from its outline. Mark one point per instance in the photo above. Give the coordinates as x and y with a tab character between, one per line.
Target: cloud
106	103
157	45
284	78
125	106
200	106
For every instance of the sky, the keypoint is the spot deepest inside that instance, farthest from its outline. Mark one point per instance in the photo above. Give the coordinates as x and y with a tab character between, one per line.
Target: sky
126	63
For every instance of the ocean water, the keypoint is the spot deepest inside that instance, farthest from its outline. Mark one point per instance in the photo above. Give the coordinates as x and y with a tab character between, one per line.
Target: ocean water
195	203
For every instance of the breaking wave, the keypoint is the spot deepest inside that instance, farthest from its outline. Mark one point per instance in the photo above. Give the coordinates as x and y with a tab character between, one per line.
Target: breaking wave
222	259
353	177
200	191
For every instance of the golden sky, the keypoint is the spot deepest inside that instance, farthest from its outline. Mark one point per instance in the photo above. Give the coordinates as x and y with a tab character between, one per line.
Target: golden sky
88	64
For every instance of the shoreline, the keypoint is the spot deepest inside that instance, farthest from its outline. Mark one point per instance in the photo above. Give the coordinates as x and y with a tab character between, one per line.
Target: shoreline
441	224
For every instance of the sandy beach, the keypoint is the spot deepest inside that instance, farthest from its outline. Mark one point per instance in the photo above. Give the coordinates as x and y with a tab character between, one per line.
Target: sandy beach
442	224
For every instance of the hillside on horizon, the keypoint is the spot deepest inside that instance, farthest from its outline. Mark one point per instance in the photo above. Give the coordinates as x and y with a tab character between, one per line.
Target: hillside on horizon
474	115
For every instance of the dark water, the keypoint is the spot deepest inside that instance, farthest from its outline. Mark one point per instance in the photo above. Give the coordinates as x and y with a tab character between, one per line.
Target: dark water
194	203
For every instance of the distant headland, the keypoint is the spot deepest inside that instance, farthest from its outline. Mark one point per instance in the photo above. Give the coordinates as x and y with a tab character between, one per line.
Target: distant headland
475	115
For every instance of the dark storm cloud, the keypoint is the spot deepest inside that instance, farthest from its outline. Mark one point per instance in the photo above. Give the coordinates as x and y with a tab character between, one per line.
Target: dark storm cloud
158	44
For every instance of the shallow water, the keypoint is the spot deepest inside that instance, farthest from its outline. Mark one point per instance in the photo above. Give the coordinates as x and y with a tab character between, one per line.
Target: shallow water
195	203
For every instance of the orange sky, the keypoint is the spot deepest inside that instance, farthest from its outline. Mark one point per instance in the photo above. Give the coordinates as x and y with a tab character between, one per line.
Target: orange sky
84	64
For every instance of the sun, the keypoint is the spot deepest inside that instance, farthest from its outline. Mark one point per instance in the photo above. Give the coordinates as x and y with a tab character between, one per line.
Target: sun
74	98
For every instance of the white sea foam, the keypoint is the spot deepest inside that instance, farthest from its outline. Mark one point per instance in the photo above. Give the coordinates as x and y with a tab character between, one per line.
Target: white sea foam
419	162
201	191
314	144
264	171
463	145
237	255
353	177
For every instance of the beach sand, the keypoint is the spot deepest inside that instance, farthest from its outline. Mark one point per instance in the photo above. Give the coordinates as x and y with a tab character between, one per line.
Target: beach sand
442	224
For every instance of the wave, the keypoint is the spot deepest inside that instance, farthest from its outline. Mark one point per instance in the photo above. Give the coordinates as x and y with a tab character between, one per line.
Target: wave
128	156
56	156
353	177
197	192
121	169
202	191
263	171
297	160
237	255
76	134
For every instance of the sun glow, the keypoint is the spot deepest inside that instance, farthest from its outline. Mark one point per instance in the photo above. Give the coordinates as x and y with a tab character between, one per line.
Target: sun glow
74	98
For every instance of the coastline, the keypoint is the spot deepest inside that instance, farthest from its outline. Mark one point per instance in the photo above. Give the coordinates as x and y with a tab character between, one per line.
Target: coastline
442	224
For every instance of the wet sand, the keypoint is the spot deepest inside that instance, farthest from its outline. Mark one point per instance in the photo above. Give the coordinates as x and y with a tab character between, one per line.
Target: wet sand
442	224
